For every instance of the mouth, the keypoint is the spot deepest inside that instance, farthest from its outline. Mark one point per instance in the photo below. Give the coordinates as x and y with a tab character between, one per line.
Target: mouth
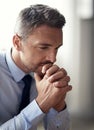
46	63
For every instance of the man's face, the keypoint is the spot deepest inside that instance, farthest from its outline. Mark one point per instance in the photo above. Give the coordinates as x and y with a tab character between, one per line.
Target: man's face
40	48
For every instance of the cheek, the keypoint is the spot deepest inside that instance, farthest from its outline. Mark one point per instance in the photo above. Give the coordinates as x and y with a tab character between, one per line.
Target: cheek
38	56
34	59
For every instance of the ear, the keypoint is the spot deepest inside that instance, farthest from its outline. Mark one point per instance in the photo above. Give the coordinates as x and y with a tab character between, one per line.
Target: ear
17	42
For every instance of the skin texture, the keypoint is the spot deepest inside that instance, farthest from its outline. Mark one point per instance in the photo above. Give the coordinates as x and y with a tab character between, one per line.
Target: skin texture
37	53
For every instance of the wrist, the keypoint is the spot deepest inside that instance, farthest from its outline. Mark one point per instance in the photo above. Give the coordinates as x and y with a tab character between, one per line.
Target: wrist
60	107
43	106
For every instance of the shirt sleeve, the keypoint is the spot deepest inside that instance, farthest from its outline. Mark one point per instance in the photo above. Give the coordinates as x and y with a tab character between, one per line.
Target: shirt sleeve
57	120
28	118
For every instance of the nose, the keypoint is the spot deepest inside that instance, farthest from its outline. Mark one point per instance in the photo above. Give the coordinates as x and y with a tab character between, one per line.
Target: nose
51	57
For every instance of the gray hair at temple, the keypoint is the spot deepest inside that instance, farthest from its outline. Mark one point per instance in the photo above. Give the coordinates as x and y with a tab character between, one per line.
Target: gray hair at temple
35	16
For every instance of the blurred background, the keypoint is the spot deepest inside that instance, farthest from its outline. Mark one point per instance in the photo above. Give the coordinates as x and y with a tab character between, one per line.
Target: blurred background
76	55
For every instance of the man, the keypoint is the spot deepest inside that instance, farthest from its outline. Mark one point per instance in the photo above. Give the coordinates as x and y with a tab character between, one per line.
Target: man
38	36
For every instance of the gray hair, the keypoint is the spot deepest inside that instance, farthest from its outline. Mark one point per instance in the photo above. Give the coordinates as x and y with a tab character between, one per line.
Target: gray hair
35	16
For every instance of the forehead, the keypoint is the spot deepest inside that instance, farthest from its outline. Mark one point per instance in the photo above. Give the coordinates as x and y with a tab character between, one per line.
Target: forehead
45	33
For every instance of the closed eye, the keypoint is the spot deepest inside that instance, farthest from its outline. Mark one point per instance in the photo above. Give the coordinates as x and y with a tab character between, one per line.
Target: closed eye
44	48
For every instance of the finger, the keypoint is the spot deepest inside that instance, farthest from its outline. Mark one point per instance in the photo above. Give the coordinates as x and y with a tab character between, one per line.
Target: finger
37	77
66	89
64	71
46	67
66	78
63	90
57	76
60	84
53	69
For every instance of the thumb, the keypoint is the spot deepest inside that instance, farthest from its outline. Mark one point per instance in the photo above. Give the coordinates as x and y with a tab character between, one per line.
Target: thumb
37	80
37	77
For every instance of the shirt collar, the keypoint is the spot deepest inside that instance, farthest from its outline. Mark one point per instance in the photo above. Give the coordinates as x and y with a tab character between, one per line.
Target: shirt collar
16	72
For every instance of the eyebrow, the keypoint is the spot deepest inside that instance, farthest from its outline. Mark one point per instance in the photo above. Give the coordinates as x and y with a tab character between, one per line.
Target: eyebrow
47	44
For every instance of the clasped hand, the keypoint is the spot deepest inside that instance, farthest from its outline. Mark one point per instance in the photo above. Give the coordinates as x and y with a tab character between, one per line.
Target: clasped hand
52	88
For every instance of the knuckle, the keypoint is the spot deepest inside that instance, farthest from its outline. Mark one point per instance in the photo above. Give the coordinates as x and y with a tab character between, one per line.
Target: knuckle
63	72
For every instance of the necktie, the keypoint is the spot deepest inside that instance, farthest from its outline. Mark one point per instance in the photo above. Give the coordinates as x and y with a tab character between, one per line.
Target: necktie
26	92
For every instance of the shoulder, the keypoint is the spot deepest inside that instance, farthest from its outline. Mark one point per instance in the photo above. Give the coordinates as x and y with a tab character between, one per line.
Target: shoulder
2	57
3	64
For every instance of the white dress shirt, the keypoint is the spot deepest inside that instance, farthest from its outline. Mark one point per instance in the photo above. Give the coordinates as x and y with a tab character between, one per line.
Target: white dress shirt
11	87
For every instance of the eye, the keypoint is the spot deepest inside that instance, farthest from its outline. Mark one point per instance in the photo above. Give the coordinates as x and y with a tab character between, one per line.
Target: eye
44	48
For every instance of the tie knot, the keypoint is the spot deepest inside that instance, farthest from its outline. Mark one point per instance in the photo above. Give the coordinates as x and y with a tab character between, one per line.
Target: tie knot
27	79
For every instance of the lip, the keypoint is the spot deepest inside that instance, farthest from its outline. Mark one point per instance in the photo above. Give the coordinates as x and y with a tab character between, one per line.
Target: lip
46	64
